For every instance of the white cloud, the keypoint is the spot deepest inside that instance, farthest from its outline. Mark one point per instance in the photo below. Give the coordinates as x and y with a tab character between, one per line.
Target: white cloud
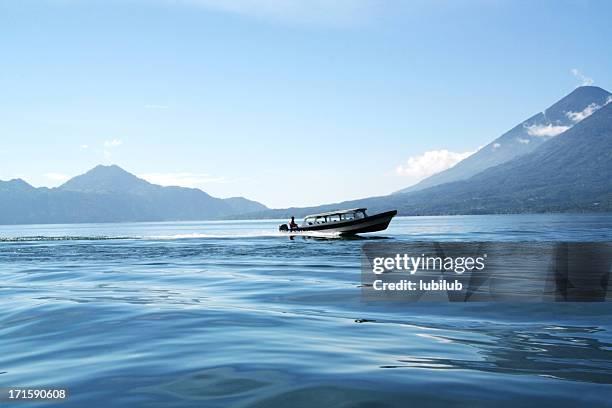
549	130
585	113
56	177
113	143
84	146
182	179
156	106
584	80
430	162
523	141
496	145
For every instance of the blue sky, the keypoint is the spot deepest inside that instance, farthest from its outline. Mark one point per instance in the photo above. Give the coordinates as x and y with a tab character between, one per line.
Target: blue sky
286	102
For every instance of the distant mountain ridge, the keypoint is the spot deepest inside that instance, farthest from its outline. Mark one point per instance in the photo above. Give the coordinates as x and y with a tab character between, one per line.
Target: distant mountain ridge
111	194
524	137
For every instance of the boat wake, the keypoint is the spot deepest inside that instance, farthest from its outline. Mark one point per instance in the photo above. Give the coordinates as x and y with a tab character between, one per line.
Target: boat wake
170	237
252	234
312	234
40	238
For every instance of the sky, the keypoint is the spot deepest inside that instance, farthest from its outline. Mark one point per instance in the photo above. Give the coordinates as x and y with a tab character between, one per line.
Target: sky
287	102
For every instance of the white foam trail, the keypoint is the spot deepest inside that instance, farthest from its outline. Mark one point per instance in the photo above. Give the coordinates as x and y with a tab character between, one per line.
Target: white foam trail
313	234
253	234
203	235
43	238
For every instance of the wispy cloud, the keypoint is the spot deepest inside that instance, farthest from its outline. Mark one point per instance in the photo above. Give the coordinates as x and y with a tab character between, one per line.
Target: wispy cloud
496	145
430	162
182	179
156	106
584	80
56	178
329	12
113	143
586	112
548	130
109	146
84	147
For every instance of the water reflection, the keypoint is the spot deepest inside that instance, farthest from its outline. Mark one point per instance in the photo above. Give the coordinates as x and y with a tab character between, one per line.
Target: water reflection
563	352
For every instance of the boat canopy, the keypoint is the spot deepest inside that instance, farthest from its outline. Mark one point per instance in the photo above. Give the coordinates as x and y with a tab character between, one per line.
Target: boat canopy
338	212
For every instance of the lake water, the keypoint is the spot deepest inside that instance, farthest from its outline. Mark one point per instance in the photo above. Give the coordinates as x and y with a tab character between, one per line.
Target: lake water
218	314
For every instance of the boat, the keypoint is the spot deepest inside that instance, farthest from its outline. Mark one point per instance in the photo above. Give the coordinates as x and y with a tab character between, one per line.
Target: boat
343	222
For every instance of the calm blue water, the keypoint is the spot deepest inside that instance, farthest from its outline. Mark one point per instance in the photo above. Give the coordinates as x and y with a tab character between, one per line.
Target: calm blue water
218	314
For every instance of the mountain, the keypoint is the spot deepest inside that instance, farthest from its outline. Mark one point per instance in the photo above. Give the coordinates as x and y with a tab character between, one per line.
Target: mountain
107	179
16	185
571	172
111	194
525	137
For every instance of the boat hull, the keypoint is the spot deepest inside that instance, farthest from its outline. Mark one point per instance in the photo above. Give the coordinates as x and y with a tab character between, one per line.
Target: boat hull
372	223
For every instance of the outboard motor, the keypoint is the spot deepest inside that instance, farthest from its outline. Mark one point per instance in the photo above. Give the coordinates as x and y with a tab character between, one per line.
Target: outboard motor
283	228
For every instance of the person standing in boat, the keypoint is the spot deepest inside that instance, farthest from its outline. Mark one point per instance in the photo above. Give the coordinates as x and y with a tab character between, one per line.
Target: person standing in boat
292	224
